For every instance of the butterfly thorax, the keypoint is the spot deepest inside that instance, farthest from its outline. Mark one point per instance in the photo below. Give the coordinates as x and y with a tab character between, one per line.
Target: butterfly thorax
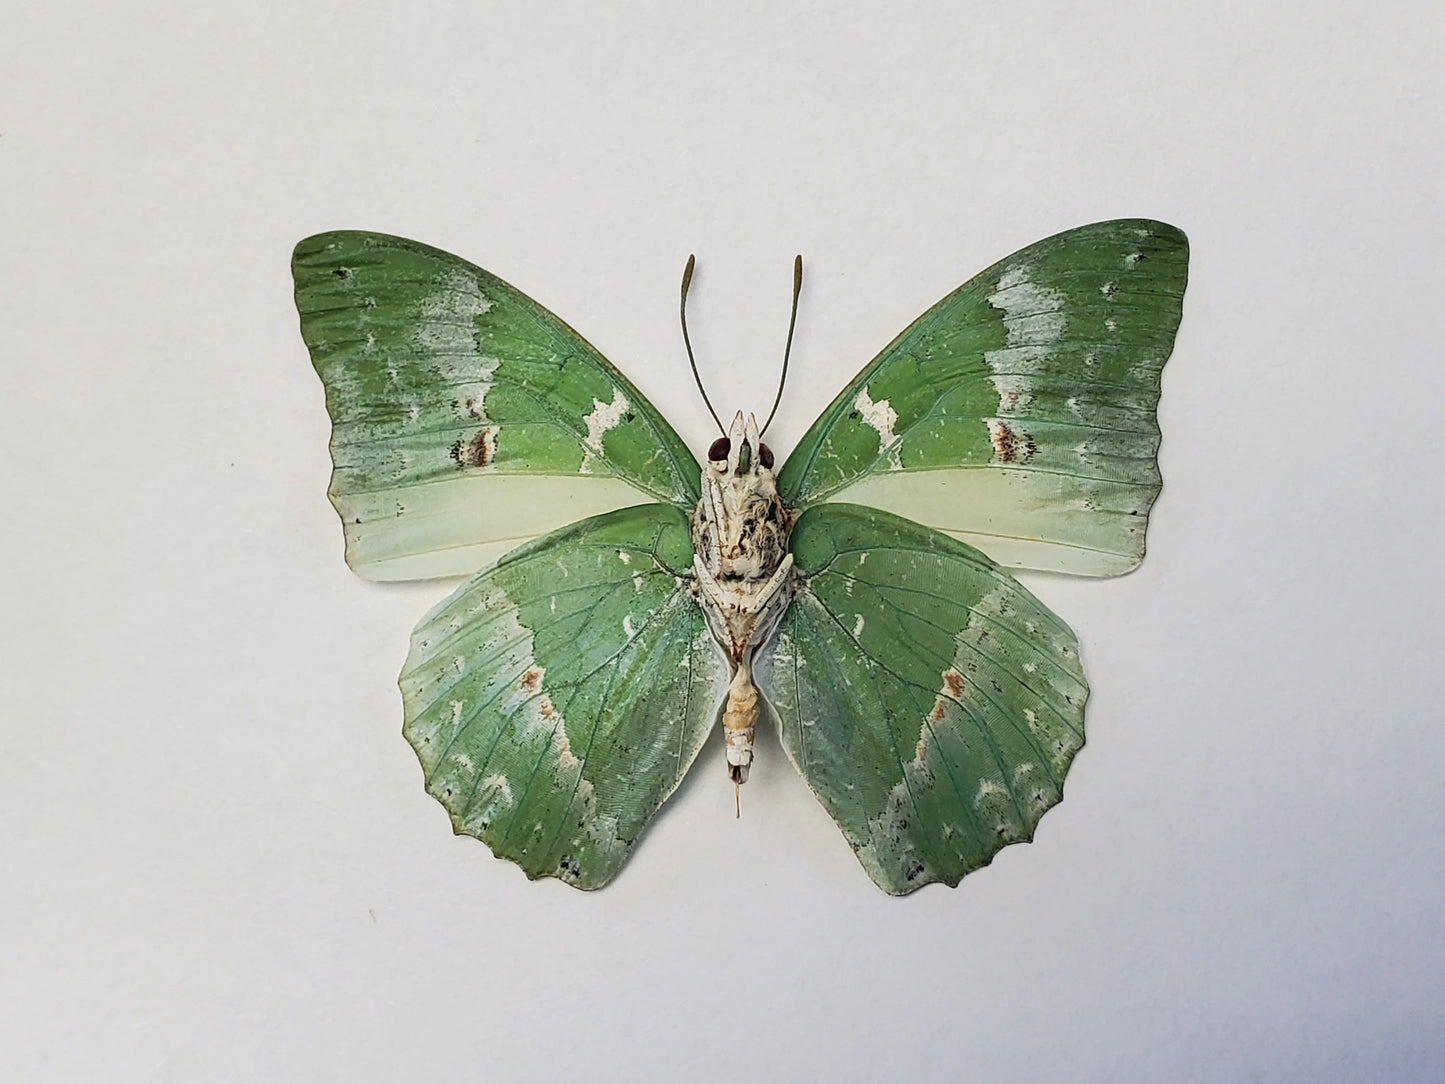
744	570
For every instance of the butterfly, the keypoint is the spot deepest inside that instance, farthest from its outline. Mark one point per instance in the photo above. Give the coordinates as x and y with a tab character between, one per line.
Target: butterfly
630	599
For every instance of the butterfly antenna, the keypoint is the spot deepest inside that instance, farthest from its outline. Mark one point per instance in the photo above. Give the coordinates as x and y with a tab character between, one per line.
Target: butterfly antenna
792	323
737	800
682	314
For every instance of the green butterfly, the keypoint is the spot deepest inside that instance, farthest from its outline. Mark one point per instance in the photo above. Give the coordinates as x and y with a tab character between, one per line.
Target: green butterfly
556	699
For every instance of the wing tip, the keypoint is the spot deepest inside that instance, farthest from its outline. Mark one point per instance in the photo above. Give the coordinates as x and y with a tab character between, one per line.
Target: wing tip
312	251
1152	226
310	247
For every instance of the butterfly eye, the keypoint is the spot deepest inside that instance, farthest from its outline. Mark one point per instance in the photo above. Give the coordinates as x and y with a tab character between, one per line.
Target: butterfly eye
719	449
765	456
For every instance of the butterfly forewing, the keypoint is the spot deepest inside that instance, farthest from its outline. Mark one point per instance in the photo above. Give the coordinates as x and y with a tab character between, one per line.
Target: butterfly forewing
931	703
557	699
465	416
1019	412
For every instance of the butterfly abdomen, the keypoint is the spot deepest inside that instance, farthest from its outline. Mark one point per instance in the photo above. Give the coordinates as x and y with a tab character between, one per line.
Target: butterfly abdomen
740	723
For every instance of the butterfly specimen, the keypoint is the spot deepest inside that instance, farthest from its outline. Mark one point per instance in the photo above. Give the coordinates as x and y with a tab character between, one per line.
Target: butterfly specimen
629	600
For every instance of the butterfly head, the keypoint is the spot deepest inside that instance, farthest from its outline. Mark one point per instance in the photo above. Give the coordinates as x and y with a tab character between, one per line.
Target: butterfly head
741	525
742	453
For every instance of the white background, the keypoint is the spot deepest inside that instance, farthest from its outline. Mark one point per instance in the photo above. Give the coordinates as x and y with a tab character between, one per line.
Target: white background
216	857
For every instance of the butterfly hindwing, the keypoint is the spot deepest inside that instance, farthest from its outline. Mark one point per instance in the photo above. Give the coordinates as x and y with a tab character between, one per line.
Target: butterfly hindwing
1019	412
556	699
930	701
465	416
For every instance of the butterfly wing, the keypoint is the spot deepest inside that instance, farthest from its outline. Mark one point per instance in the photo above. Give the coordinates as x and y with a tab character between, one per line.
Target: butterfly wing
465	417
932	704
1019	412
556	699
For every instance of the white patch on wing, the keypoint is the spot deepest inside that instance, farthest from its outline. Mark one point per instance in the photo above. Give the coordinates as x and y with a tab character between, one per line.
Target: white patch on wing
1014	392
493	797
1033	315
987	789
495	792
567	761
1034	320
449	314
471	379
627	626
921	748
604	416
881	416
858	626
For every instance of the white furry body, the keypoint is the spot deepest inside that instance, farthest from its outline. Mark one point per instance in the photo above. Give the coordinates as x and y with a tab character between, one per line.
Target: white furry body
744	571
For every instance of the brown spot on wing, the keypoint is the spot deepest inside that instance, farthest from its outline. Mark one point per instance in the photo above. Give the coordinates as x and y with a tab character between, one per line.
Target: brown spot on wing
1010	445
479	451
952	683
532	680
936	715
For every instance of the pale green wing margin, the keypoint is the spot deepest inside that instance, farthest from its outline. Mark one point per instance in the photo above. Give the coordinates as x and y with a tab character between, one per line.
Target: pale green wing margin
1019	412
932	703
465	417
556	699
